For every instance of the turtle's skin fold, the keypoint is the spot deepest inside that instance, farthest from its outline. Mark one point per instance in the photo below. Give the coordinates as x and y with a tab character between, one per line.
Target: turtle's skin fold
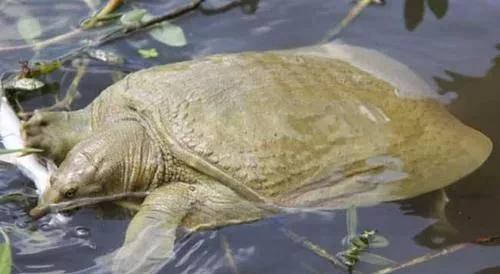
234	138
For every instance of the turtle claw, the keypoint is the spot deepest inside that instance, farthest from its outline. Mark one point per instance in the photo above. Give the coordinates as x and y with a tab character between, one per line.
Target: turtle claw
50	131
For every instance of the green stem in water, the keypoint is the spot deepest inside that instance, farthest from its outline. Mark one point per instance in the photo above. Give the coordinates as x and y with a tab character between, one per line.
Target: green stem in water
229	255
315	249
110	7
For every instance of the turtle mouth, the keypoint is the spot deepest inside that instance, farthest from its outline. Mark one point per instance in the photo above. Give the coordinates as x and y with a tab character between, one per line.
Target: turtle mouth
47	200
38	212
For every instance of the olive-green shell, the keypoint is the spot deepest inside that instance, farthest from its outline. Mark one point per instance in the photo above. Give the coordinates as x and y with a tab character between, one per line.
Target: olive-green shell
297	130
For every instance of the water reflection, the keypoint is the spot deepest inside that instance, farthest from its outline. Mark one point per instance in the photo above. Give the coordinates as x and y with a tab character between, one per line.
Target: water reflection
490	270
415	10
469	213
259	247
212	7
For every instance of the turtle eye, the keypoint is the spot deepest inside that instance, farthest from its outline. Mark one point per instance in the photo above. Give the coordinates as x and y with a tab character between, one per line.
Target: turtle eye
70	193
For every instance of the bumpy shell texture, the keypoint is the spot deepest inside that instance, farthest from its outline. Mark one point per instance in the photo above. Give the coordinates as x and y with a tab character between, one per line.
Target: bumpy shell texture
299	130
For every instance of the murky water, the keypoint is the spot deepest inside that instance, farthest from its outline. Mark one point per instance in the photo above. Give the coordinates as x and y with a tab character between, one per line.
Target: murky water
458	53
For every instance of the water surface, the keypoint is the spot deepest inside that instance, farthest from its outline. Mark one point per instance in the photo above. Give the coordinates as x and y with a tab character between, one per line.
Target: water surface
458	53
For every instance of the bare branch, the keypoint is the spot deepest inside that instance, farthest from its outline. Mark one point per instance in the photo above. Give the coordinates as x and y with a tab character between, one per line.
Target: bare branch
423	259
40	211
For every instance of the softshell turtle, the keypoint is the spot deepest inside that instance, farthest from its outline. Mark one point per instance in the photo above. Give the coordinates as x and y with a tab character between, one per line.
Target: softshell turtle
233	138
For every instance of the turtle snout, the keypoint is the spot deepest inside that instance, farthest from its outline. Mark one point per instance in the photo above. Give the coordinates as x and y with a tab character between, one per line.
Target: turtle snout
50	196
74	179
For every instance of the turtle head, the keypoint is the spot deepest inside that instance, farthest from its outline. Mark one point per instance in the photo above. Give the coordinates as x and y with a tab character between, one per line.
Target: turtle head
77	177
115	160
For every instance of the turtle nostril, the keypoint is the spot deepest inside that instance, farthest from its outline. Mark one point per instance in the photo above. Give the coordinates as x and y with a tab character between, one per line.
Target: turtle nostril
52	180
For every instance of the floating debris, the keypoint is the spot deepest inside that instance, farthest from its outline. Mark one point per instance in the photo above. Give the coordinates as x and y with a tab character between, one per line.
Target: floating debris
107	56
148	53
24	84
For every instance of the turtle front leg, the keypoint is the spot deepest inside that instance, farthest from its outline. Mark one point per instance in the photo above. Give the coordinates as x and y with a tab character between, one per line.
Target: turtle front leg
56	132
150	238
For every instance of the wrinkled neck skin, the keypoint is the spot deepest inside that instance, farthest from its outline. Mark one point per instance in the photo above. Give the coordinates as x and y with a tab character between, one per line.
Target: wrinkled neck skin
132	159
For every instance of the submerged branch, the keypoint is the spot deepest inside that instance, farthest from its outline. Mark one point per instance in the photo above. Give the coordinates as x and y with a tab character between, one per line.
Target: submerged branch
38	45
423	259
126	30
40	211
315	248
71	94
229	255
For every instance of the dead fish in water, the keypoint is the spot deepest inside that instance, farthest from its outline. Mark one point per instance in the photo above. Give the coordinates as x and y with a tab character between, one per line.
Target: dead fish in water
38	170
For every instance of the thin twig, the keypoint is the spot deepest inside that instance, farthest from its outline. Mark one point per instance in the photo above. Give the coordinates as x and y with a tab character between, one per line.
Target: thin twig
126	30
106	38
229	255
223	8
353	13
423	259
41	211
45	43
24	151
111	6
72	92
315	248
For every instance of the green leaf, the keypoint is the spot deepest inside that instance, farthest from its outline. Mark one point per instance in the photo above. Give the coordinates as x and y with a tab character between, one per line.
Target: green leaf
29	28
414	13
438	7
133	17
147	17
375	259
169	34
5	254
148	53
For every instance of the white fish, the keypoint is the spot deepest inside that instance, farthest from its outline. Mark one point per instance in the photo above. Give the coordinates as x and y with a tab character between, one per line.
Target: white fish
10	135
36	169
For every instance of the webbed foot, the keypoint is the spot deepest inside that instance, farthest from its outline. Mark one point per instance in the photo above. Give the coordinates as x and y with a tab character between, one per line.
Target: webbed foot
151	235
56	132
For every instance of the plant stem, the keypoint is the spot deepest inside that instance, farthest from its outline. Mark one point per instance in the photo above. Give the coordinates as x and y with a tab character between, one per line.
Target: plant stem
40	211
194	4
111	6
24	151
229	255
44	43
114	35
353	13
72	92
315	248
423	259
